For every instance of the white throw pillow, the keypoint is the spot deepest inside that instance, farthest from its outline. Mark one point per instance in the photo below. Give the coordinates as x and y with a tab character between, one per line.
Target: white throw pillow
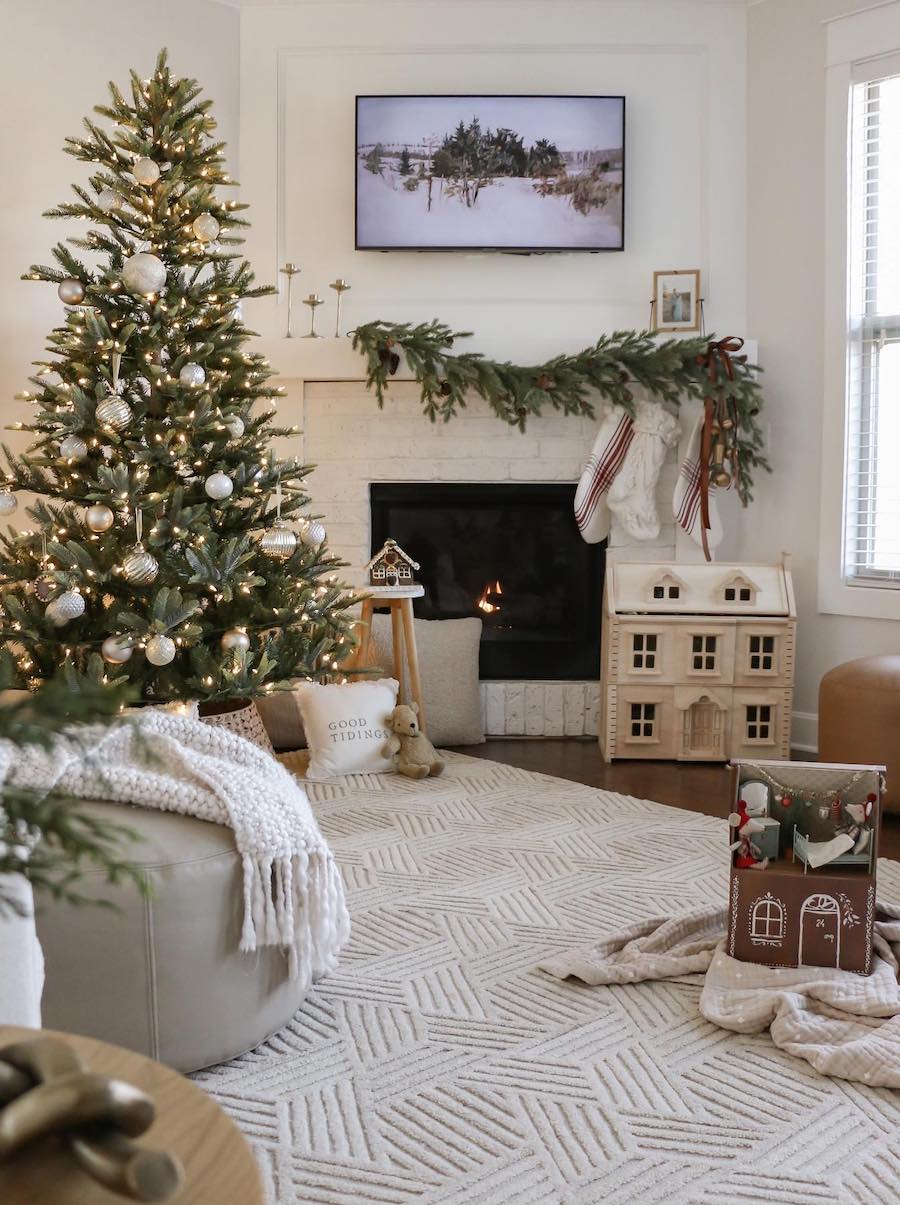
448	667
346	726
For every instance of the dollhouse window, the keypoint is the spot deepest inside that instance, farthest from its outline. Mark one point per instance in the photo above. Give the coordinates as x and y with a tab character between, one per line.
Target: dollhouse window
643	721
767	920
674	591
762	654
659	592
643	651
759	722
703	654
738	589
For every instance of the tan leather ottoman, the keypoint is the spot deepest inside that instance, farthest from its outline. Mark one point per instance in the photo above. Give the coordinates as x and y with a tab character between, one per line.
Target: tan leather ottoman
163	976
859	717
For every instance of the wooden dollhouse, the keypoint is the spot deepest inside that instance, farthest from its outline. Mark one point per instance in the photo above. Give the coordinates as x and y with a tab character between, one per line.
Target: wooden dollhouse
391	566
697	661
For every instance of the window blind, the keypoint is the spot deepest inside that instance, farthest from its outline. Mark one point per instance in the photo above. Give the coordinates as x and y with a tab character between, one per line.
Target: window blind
872	472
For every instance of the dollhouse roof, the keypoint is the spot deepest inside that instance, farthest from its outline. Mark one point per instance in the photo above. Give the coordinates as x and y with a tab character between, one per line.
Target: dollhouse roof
391	546
629	588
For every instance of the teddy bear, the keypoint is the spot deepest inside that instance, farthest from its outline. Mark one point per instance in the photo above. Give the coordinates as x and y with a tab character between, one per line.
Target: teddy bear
416	756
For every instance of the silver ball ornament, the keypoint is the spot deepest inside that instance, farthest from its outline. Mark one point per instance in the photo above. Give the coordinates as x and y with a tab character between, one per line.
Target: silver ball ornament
205	227
145	170
108	200
71	291
219	486
116	649
140	567
192	374
313	534
160	650
114	412
235	641
98	517
8	502
143	273
278	542
73	447
235	426
69	605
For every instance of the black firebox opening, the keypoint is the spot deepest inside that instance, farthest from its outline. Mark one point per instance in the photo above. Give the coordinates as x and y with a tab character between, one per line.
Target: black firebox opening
510	554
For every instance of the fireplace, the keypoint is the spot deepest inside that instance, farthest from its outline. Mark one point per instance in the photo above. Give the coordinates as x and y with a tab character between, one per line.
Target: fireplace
510	554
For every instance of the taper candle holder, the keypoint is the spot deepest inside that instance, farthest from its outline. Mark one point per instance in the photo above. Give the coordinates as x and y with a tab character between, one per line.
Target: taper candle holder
313	301
340	287
290	271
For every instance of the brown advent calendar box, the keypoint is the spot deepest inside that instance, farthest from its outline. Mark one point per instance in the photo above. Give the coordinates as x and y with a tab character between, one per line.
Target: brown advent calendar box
812	903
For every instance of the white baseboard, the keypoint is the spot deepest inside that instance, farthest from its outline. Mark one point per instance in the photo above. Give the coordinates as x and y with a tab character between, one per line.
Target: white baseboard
805	731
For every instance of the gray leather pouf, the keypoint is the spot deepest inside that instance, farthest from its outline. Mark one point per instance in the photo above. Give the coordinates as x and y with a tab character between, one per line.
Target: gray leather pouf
164	975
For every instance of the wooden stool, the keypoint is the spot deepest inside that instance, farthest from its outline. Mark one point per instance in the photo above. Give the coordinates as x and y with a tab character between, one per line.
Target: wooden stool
217	1161
399	601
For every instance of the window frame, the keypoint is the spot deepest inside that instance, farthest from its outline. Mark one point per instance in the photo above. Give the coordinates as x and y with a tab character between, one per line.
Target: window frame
644	721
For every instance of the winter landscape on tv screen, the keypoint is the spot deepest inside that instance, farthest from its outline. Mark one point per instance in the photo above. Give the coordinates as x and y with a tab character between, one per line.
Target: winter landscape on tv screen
519	172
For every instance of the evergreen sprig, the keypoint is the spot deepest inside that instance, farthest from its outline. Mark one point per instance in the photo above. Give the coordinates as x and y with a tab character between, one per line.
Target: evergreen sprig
670	370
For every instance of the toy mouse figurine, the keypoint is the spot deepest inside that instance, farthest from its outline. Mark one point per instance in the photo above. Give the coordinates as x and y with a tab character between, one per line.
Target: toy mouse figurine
748	854
857	824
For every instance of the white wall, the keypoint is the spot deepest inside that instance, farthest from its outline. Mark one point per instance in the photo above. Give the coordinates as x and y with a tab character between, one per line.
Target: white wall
786	243
56	57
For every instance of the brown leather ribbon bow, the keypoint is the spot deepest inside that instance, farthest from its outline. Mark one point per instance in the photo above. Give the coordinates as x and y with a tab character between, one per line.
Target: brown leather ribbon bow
717	359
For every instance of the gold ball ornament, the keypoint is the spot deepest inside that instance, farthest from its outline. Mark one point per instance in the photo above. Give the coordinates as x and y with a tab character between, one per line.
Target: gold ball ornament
721	477
145	170
205	227
278	542
140	567
143	273
116	650
192	375
313	533
99	517
73	447
69	605
219	486
70	291
8	503
114	412
235	641
160	650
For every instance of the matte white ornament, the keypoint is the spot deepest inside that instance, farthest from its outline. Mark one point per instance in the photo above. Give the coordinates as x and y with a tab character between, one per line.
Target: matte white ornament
313	534
73	447
160	650
99	517
8	502
145	170
235	641
116	649
278	542
143	273
192	374
69	605
235	426
114	412
205	227
219	486
71	291
140	567
108	200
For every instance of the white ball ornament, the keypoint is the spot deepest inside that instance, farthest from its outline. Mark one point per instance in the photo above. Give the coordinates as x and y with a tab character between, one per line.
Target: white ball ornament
98	517
116	650
313	534
192	374
69	605
108	200
160	650
235	641
71	291
205	227
145	170
114	412
8	502
235	426
219	486
73	447
143	273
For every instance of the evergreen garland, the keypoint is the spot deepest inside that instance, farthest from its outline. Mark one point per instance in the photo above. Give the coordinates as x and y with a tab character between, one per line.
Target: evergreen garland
671	371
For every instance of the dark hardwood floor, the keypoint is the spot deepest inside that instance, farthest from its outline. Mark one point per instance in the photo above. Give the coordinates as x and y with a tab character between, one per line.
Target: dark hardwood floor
697	788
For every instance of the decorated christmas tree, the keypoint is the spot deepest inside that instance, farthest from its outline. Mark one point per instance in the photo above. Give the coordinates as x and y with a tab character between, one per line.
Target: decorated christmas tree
169	544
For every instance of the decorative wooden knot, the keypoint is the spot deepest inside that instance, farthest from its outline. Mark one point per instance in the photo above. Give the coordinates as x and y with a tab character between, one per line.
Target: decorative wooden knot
45	1089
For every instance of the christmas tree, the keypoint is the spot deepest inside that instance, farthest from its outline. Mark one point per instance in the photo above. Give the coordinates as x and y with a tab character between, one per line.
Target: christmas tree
161	550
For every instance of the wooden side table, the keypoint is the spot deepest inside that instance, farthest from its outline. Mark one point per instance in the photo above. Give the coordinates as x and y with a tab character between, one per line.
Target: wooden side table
399	601
219	1166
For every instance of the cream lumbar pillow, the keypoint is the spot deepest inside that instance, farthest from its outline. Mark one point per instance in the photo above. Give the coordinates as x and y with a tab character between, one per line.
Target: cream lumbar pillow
347	726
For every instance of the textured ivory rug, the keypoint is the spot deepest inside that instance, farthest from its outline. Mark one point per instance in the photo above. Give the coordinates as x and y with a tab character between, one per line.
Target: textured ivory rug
438	1065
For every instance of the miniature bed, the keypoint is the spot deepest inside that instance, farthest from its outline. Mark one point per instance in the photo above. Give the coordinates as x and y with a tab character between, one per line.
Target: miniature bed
802	847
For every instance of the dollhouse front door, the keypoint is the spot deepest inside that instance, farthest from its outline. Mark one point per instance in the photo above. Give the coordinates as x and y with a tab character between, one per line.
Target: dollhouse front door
820	932
703	729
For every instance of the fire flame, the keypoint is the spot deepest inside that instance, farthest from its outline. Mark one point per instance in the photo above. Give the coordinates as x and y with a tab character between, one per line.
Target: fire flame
490	591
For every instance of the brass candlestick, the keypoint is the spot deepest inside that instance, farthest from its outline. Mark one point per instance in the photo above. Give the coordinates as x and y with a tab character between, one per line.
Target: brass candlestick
313	301
340	287
290	271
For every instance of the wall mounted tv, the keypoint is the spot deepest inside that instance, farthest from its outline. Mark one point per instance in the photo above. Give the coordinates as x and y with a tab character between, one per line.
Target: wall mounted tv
505	173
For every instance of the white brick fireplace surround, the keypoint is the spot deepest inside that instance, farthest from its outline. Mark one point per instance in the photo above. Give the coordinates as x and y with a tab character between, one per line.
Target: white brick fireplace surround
352	443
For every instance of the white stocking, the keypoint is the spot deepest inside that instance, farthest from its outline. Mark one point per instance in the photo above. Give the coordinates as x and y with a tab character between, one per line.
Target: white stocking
632	496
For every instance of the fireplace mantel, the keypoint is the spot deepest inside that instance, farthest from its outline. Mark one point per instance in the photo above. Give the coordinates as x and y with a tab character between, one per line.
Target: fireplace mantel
325	359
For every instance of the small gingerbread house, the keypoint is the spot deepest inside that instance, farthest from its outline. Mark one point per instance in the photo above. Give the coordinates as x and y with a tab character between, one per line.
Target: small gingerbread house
391	566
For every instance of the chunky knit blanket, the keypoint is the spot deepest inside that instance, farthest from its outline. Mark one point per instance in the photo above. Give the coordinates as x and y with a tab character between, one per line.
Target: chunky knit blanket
293	894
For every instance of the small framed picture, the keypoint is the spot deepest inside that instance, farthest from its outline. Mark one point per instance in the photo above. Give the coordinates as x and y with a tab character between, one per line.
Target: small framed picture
676	300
